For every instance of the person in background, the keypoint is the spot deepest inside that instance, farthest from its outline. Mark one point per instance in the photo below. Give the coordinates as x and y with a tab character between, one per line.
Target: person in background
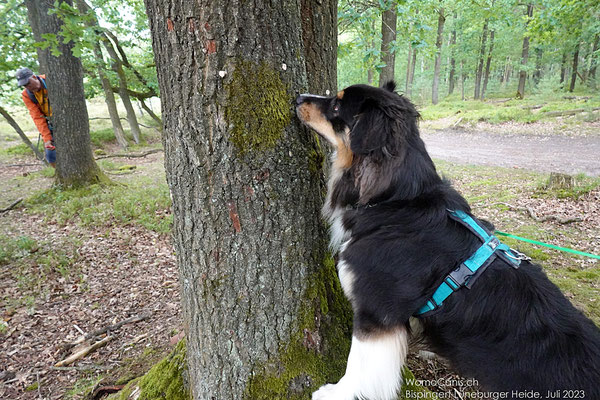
35	97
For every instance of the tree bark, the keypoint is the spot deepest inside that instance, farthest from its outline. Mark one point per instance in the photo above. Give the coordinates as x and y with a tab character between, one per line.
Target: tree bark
388	37
452	78
438	57
263	310
575	64
488	65
524	56
109	97
479	71
319	26
75	165
34	21
24	137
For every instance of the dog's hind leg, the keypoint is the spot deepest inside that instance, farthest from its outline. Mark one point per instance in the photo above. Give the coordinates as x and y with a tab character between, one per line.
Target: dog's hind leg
374	369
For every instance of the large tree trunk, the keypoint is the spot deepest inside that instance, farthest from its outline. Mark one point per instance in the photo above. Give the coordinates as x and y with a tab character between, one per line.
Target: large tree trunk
524	56
488	66
109	97
575	65
452	78
319	26
34	21
264	313
479	71
388	37
438	58
75	165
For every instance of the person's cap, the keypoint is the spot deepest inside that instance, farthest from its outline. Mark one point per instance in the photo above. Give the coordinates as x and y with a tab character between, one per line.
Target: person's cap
23	75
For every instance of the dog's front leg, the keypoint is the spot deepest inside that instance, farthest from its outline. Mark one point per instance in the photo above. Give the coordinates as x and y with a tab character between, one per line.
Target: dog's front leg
374	369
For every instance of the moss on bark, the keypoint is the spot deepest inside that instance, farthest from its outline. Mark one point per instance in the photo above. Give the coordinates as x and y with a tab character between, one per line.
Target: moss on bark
165	381
258	107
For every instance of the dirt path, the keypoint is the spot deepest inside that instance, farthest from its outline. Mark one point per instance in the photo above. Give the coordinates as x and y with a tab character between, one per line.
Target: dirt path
544	153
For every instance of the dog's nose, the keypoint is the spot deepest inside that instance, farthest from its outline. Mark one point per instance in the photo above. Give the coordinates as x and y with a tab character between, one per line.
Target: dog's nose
300	99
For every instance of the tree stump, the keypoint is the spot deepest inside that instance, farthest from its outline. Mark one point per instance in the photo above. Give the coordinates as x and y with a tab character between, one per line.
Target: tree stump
560	181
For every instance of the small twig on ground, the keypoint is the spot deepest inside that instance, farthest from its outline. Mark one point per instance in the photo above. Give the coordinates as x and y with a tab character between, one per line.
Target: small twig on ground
109	328
13	205
533	215
131	155
457	122
22	165
84	368
84	352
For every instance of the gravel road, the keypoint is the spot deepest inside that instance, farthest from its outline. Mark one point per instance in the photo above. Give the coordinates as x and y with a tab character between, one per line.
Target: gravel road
551	153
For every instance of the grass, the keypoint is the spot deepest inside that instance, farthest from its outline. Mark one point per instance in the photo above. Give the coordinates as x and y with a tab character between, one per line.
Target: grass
582	185
142	201
495	112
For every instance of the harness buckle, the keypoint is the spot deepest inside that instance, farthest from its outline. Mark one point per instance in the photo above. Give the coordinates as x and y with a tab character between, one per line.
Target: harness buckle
460	276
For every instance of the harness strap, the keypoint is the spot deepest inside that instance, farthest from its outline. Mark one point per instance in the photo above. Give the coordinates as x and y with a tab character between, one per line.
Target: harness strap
469	270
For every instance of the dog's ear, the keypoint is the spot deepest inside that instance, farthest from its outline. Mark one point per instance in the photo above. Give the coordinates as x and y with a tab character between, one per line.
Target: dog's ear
371	130
390	86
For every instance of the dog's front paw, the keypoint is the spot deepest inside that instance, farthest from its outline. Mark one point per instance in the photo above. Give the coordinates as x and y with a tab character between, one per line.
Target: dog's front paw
333	392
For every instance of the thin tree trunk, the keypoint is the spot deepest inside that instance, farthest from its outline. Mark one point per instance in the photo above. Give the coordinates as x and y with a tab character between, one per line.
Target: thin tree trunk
462	80
109	97
117	66
563	68
537	75
594	60
452	78
263	310
388	37
408	67
479	71
438	57
487	65
524	56
574	72
151	113
411	77
24	137
75	165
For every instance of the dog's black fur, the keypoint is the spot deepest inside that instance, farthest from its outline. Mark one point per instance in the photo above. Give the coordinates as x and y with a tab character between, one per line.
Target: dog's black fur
513	330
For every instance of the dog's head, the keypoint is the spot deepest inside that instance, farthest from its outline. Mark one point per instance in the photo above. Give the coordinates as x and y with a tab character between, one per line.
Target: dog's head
373	131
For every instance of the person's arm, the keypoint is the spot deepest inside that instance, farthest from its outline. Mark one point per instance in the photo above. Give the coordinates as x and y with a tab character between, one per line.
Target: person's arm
38	119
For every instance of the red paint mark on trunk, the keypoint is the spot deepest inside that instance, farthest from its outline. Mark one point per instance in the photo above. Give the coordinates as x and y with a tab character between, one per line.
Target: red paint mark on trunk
170	24
234	217
211	46
191	25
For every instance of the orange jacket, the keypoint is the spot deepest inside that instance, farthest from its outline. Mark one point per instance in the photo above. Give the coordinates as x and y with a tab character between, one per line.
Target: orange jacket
39	111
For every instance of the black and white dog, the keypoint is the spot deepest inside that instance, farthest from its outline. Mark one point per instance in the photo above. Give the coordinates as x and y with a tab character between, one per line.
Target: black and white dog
512	329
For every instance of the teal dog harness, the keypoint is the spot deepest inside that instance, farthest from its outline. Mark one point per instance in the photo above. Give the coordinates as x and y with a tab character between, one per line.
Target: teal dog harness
470	269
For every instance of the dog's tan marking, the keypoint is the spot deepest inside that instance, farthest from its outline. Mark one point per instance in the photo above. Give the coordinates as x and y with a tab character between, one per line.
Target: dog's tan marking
344	155
311	116
340	94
